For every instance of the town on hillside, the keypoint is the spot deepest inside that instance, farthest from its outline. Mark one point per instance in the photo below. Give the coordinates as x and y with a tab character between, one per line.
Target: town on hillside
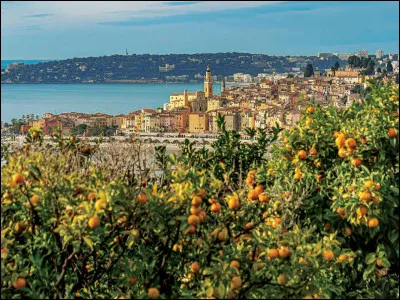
274	100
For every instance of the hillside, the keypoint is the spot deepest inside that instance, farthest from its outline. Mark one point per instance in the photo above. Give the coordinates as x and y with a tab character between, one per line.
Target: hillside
146	67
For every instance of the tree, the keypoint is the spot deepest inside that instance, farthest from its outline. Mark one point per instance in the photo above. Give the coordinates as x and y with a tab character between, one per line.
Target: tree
371	67
379	70
336	66
309	71
37	117
79	130
389	67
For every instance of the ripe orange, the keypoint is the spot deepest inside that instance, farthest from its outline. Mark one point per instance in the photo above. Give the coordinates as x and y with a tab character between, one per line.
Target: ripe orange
282	279
94	222
202	216
19	283
216	207
374	222
142	199
311	110
202	193
153	293
392	133
234	264
340	140
342	153
302	154
336	133
34	134
365	197
356	162
34	199
379	262
223	236
20	227
17	178
193	220
313	151
194	210
143	183
328	255
377	186
351	143
363	210
307	297
343	258
263	198
259	189
251	173
273	253
284	252
196	201
132	280
233	203
340	212
91	196
236	282
249	225
309	121
319	178
252	195
250	181
195	267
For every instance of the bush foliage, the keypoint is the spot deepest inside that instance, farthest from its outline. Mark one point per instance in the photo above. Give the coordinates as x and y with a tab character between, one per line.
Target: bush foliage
309	212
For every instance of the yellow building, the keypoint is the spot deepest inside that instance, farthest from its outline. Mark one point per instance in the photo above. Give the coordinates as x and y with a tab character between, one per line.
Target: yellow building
198	122
215	103
208	85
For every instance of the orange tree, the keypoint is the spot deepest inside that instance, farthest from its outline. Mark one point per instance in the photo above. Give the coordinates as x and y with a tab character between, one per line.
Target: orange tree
227	223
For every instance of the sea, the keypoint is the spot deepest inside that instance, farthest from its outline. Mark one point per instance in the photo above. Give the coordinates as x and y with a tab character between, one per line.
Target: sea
37	99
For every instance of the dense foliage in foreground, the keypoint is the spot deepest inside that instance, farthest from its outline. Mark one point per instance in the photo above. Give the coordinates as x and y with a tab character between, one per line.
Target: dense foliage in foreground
315	216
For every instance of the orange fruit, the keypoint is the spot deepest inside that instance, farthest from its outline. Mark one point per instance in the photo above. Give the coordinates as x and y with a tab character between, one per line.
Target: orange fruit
215	207
309	121
194	210
259	189
249	225
34	199
91	196
374	222
19	283
94	222
196	201
311	110
313	151
342	153
250	181
234	264
379	262
252	195
307	297
298	176
327	226
202	193
223	236
284	252
340	140
273	253
343	258
195	267
192	229
365	197
328	255
236	282
340	212
282	279
132	280
251	173
17	178
193	220
392	133
377	186
356	162
142	198
336	133
351	143
202	216
319	178
263	198
19	227
143	182
233	203
363	210
302	154
304	261
368	184
153	293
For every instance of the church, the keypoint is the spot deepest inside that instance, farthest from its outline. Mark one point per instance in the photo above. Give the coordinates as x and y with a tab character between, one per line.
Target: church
198	101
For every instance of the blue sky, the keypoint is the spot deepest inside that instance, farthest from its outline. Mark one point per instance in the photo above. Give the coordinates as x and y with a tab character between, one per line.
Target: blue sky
58	30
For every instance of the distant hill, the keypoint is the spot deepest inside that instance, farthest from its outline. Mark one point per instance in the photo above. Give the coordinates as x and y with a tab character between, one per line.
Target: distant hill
146	67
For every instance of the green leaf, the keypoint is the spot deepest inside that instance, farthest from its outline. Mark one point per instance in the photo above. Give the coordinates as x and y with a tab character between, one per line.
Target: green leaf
370	259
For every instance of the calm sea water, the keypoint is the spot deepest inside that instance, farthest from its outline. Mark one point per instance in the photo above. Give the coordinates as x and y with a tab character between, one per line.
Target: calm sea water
37	99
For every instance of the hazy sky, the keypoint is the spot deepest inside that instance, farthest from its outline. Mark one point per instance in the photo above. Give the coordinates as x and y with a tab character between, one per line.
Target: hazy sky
58	30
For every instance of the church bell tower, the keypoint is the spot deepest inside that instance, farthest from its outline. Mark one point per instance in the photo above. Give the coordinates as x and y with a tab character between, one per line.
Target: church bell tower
208	86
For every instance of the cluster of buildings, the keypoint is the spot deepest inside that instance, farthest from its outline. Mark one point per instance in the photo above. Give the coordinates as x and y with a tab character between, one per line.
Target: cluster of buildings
273	100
